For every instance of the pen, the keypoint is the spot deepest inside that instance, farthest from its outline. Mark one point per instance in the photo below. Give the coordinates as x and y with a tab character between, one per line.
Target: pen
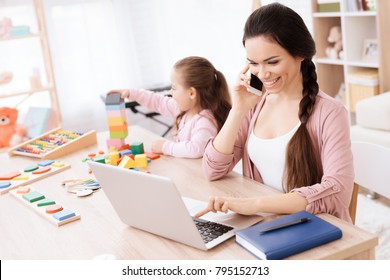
295	222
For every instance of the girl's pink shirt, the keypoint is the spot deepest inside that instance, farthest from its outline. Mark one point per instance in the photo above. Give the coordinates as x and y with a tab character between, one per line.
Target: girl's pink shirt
192	136
328	127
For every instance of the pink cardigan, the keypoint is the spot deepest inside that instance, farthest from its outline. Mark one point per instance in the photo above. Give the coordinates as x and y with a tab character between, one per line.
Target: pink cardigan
192	136
329	129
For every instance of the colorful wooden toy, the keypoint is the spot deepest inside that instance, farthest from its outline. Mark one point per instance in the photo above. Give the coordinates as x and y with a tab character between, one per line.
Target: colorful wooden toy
30	174
113	157
141	161
54	144
137	148
116	120
45	207
127	162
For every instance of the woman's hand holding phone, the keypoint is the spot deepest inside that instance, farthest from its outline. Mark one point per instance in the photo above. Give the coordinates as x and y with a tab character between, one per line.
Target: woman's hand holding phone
243	99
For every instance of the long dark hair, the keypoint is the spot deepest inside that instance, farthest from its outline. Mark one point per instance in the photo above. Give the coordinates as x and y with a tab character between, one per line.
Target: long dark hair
210	84
284	26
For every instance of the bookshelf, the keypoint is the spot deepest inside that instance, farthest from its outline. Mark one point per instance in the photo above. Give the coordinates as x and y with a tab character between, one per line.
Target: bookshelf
34	80
357	27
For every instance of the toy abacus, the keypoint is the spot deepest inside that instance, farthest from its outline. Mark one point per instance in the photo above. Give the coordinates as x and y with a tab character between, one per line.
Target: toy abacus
54	144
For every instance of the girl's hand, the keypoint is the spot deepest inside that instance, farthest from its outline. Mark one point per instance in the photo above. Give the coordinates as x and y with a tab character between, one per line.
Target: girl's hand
125	93
157	146
244	100
244	206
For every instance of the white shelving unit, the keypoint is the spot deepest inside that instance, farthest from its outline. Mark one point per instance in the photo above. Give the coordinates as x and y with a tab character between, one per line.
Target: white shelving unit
28	52
356	26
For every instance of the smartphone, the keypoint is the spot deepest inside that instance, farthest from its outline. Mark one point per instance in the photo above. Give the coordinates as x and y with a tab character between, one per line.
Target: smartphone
256	85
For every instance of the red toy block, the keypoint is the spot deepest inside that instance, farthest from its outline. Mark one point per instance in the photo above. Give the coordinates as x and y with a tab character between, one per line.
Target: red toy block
152	155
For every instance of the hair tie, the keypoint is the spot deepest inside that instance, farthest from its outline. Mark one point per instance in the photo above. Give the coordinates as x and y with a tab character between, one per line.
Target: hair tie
215	76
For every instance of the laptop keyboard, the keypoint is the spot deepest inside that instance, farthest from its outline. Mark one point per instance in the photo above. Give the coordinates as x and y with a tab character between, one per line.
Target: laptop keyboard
210	230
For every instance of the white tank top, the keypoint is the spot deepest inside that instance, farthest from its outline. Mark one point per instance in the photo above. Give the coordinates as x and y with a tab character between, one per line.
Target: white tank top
269	156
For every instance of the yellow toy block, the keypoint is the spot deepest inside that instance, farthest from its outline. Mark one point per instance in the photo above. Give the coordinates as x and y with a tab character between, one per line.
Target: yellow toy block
113	156
127	162
115	121
141	160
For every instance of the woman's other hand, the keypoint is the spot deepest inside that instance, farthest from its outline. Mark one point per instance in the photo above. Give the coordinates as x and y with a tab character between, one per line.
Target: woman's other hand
244	206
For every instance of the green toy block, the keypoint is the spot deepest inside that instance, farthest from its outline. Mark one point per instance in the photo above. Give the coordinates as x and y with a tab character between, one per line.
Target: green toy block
33	196
118	134
137	148
100	159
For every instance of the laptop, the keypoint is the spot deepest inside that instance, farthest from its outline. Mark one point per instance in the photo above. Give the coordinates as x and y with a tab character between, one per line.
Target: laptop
152	203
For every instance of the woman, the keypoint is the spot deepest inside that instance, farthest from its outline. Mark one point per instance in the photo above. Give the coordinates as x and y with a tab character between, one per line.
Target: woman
294	138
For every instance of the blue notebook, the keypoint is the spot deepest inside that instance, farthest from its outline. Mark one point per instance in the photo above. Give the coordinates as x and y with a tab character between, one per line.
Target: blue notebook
281	243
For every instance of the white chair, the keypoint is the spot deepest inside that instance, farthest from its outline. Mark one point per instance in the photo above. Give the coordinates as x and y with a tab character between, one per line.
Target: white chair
372	126
373	120
372	167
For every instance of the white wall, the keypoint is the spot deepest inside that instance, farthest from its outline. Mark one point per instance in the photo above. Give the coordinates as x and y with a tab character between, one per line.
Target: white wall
98	45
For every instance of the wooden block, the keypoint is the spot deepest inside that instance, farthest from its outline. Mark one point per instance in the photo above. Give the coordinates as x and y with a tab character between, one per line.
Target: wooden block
114	98
115	107
152	156
124	147
137	148
14	183
64	214
115	143
141	161
115	121
125	152
118	134
113	156
59	218
21	177
58	164
10	175
127	162
30	168
119	128
49	150
33	196
54	208
44	202
100	159
23	190
4	185
42	170
45	162
116	113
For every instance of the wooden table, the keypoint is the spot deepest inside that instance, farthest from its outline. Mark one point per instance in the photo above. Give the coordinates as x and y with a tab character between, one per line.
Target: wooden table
26	235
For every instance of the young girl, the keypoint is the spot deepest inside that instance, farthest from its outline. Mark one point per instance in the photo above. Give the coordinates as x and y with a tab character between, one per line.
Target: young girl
200	102
294	138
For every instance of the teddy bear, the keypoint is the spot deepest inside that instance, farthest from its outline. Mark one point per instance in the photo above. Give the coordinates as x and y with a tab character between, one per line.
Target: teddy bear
335	38
11	133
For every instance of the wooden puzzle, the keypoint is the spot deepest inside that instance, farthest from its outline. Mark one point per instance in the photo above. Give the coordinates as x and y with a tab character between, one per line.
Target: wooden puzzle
30	174
44	206
54	144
